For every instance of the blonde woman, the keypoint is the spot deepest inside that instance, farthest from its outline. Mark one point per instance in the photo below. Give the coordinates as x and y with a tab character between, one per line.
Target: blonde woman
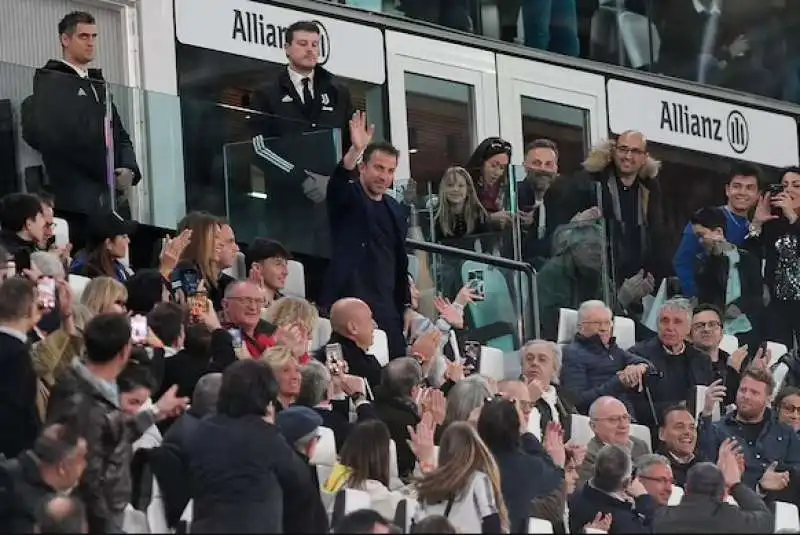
296	317
465	487
460	212
287	372
105	295
201	255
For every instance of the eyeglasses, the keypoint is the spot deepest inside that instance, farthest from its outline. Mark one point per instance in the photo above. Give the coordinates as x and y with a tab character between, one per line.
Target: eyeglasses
659	480
622	149
616	420
251	301
791	409
603	323
713	324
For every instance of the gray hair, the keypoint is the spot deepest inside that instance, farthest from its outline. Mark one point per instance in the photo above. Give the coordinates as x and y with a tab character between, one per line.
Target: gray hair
316	378
554	348
681	304
206	392
49	264
465	396
302	443
646	462
586	306
705	479
612	468
401	375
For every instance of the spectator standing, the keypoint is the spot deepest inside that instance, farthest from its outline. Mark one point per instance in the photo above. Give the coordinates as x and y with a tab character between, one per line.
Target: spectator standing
65	122
240	465
19	420
741	192
204	403
612	490
488	166
88	388
541	167
703	506
52	466
22	227
774	236
460	214
368	231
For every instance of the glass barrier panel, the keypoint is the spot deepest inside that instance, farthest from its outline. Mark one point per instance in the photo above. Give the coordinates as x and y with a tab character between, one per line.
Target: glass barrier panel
502	320
276	186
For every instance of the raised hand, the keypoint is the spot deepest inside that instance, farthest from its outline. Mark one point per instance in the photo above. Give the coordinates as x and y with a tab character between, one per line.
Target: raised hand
434	404
449	313
360	132
554	443
772	480
467	295
728	462
172	251
421	439
737	358
714	395
601	522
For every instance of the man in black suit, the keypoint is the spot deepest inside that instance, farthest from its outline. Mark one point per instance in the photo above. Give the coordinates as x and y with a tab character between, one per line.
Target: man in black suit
19	313
368	232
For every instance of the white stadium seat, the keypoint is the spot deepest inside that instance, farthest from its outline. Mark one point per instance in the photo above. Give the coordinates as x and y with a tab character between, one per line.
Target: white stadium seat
538	525
729	343
567	325
296	280
77	284
786	518
624	332
492	364
238	270
581	432
325	452
642	432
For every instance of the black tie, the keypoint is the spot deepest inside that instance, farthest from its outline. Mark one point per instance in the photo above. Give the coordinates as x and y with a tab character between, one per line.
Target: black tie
308	100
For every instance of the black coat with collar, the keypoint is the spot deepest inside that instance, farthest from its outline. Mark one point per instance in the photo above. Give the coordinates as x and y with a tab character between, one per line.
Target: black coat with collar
18	248
359	362
19	419
22	509
587	501
398	413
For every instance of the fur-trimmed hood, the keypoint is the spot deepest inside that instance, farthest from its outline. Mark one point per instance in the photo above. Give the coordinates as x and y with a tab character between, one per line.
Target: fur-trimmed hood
600	158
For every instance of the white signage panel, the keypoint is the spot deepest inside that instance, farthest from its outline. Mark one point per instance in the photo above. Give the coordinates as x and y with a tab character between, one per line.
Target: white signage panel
703	124
258	31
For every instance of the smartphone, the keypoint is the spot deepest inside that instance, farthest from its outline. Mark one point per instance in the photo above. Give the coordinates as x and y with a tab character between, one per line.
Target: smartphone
773	190
190	281
236	336
472	357
47	293
476	282
60	232
138	329
9	271
334	358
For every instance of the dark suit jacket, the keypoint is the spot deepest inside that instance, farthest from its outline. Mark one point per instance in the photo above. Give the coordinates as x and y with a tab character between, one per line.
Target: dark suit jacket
702	514
586	469
19	419
359	363
351	221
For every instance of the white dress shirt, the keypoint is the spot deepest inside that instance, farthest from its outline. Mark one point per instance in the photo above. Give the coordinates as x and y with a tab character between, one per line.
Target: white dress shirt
297	82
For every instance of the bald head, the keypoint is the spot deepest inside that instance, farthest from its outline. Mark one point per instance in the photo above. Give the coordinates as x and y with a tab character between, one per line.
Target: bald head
610	421
239	288
352	318
633	136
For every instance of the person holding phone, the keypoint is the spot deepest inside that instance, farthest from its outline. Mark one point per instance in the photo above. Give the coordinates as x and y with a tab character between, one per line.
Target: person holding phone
774	236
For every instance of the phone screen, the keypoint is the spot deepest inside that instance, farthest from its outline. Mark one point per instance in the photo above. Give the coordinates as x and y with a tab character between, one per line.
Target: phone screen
47	293
472	357
190	280
334	357
138	329
475	279
236	336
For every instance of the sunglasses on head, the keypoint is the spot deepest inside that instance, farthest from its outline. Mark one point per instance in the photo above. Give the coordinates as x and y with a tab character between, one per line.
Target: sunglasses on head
499	144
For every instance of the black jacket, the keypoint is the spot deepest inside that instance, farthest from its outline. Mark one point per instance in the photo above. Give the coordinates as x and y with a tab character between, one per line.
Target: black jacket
242	470
66	124
303	511
359	362
398	414
668	388
697	513
626	517
711	276
337	419
27	495
18	248
19	420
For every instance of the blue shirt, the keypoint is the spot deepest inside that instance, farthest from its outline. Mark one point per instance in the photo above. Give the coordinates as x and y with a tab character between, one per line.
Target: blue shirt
736	229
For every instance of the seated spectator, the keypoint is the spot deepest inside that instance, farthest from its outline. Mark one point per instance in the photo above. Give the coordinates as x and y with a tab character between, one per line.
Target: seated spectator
64	515
321	391
364	464
242	310
680	366
303	513
678	441
611	424
353	328
396	406
287	373
107	243
268	266
594	365
742	192
146	288
298	315
464	402
706	335
655	473
136	385
363	521
22	227
541	166
787	406
19	313
204	403
541	369
727	276
465	484
771	449
703	507
88	388
612	491
240	465
53	465
104	295
532	480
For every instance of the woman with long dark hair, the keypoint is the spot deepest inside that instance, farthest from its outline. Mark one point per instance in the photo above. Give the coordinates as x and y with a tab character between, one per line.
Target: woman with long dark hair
106	245
488	167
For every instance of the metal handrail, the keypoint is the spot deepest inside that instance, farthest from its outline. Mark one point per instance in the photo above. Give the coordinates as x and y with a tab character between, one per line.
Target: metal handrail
496	261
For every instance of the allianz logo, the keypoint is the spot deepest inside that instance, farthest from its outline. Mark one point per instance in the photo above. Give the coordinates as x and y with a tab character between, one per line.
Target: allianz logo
251	27
680	119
